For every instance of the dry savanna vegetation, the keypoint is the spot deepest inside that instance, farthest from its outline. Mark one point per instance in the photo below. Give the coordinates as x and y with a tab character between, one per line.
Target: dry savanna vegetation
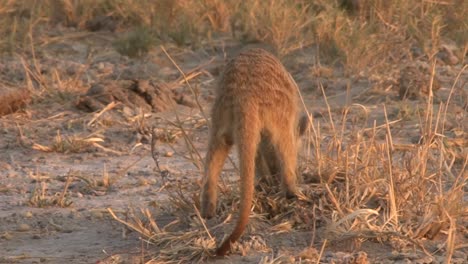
104	125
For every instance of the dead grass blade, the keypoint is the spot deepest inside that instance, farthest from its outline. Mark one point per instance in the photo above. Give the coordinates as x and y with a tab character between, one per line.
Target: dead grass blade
108	107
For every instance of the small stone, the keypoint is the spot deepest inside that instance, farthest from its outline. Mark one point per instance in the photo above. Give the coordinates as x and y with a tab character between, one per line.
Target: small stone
169	154
6	236
100	66
28	214
23	228
97	214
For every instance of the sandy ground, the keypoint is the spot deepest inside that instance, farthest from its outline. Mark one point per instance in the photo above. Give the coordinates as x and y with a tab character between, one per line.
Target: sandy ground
84	232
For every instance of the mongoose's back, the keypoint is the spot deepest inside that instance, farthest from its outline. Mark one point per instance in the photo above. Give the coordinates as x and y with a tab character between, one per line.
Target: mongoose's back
257	76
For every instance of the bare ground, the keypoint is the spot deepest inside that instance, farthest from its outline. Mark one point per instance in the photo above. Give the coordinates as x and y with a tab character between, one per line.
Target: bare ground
108	157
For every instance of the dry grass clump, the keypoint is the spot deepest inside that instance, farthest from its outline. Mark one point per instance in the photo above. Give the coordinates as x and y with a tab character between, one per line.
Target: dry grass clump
284	24
40	196
72	144
381	190
172	239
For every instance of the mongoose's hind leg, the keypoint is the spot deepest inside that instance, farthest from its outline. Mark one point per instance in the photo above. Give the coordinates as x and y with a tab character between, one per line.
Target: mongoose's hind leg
217	153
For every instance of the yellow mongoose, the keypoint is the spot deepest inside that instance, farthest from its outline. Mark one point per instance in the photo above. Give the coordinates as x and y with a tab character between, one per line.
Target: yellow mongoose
256	100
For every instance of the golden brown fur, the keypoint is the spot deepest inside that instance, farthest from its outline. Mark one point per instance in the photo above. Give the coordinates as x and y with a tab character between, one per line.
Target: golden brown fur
256	101
267	162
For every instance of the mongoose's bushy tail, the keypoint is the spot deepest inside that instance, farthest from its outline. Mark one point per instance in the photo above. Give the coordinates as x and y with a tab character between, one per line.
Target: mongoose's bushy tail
247	137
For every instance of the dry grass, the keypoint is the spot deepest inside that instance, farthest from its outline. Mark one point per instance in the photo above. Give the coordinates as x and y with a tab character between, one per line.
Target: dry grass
40	196
73	144
378	33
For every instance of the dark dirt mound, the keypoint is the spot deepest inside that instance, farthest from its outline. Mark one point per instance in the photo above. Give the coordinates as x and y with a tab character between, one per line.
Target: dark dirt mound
146	94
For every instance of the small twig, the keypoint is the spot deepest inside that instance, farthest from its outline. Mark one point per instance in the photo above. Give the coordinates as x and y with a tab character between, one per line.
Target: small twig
106	149
202	221
186	81
144	232
65	188
105	109
322	250
333	199
154	152
386	125
190	75
188	142
194	72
